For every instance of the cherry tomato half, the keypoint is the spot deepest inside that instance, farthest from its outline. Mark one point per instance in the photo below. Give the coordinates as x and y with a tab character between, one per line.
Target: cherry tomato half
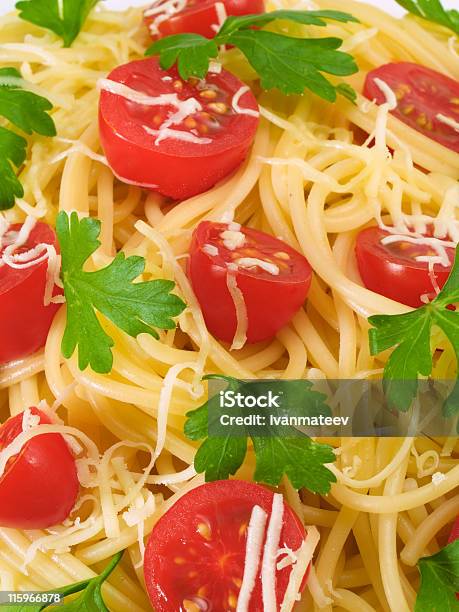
40	485
196	551
270	300
196	16
24	319
140	151
392	270
423	95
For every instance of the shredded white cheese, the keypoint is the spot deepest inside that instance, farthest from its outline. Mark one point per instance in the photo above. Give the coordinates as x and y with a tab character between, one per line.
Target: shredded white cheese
235	103
255	535
215	67
240	336
164	133
233	239
210	249
439	246
448	121
162	11
136	96
29	420
304	555
290	557
253	262
268	566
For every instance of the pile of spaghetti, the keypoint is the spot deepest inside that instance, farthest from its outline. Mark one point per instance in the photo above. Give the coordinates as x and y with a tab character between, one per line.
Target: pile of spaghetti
317	174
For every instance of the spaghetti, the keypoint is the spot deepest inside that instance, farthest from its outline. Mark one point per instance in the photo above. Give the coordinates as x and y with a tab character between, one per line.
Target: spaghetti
307	181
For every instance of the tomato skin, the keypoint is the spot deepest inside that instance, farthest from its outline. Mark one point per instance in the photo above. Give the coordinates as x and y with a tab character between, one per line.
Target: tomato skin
271	301
422	94
393	275
174	168
24	319
225	504
199	16
40	486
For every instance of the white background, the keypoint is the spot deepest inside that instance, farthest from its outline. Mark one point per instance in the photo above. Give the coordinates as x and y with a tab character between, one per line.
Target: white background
389	5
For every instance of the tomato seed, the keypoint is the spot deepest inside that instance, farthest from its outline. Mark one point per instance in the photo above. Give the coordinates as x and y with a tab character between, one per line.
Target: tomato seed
407	110
190	123
232	600
282	255
190	606
209	94
205	531
218	107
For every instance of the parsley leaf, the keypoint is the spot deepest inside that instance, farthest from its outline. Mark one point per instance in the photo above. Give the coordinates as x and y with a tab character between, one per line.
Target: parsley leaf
24	109
27	111
191	55
410	334
432	10
133	307
299	457
287	63
217	457
90	600
439	581
12	151
47	14
315	18
291	64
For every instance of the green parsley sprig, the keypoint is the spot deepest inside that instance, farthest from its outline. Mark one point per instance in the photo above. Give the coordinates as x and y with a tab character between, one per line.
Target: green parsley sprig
28	112
90	600
410	334
287	63
65	20
432	10
439	581
301	459
133	307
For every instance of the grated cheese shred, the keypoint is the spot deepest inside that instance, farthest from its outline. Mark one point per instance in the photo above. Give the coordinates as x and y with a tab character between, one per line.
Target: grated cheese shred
255	535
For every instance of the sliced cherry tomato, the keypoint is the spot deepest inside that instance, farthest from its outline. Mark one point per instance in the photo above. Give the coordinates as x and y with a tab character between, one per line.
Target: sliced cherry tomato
40	485
195	148
202	17
24	319
392	269
196	552
423	96
270	300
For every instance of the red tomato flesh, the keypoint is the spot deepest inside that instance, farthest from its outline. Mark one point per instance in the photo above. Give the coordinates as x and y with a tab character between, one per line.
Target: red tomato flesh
195	16
196	551
165	163
422	95
392	270
271	301
24	319
40	485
